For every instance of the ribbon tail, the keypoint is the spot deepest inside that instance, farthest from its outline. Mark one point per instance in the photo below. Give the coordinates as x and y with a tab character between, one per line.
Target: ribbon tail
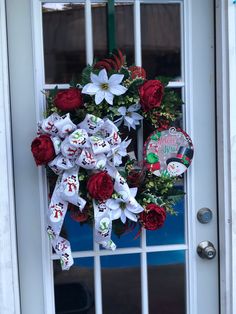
103	225
56	214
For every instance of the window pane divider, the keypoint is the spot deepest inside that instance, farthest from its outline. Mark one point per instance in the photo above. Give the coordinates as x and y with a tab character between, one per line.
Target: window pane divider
88	32
97	277
130	250
172	84
144	274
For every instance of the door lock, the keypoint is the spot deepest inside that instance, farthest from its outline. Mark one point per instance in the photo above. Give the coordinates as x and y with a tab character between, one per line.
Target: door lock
206	250
204	215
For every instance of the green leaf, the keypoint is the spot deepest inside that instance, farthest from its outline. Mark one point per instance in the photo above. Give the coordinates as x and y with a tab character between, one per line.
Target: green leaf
85	77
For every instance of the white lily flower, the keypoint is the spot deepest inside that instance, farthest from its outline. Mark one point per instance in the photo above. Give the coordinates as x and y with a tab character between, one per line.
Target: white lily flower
130	117
125	206
104	88
118	152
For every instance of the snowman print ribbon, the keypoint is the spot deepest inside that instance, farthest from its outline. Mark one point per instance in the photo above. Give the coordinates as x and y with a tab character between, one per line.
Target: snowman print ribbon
89	146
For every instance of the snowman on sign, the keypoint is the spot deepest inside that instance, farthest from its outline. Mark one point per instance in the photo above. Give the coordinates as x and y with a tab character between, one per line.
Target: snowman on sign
179	164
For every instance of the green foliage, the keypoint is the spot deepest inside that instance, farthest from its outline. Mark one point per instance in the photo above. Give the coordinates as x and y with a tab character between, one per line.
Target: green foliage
85	76
160	190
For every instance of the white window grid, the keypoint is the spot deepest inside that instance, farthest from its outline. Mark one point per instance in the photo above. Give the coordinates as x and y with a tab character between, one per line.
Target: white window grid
184	85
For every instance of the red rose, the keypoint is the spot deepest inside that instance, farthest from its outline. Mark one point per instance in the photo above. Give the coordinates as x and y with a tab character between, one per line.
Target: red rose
137	72
69	99
151	94
42	149
100	186
153	217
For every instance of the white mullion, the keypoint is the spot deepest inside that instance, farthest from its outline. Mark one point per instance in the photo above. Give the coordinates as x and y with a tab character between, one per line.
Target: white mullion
132	250
138	62
144	278
182	50
137	33
88	32
52	86
97	277
172	84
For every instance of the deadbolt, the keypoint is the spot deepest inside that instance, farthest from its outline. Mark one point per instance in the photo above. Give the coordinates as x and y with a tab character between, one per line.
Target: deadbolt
206	250
204	215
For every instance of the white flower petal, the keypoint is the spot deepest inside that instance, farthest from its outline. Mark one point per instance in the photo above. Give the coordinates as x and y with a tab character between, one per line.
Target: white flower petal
134	207
99	96
102	75
109	97
115	214
130	215
117	90
117	160
113	204
134	107
136	116
129	122
115	79
133	191
123	217
124	195
90	89
125	144
119	121
95	79
122	110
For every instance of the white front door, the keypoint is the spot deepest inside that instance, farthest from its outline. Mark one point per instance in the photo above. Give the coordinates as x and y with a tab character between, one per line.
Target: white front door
160	272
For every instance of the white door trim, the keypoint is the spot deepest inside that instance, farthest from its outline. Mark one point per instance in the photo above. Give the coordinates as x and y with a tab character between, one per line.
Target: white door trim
232	138
9	286
226	133
226	112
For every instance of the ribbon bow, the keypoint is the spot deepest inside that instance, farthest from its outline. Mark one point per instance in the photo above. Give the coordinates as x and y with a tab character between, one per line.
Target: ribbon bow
92	145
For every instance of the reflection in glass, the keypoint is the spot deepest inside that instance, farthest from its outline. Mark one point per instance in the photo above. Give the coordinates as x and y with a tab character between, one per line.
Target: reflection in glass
161	39
64	41
74	289
121	285
166	282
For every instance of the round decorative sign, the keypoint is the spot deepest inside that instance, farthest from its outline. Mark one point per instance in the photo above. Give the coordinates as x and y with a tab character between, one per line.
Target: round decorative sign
168	152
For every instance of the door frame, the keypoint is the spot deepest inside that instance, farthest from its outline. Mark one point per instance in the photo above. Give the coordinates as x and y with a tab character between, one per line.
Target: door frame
225	12
9	280
226	135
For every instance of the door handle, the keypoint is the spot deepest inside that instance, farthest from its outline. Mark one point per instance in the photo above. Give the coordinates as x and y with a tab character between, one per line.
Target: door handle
206	250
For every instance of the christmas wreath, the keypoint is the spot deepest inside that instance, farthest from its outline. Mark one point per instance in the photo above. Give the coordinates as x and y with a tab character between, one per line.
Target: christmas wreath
84	141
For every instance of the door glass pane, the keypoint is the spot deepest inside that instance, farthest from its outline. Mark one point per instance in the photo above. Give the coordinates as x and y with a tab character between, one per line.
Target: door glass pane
125	29
121	284
161	39
99	15
80	235
64	41
166	282
173	231
74	289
